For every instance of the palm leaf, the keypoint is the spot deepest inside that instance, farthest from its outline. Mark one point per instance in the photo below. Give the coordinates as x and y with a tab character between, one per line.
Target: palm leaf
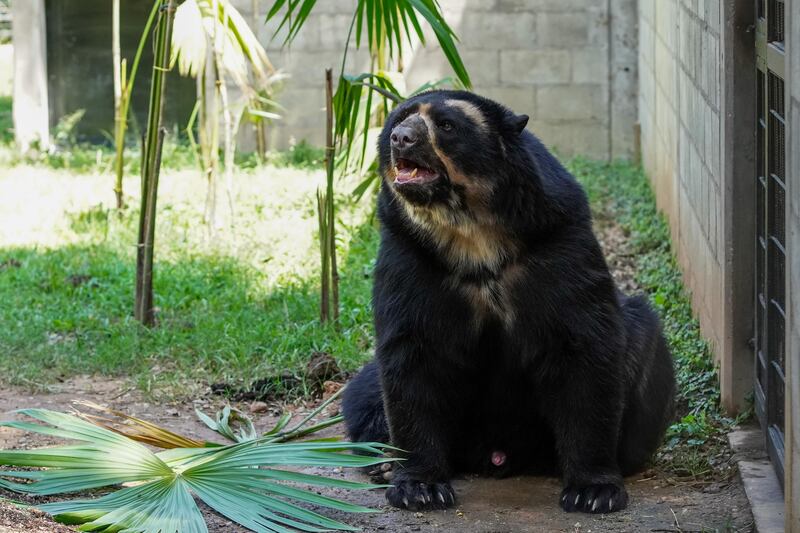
245	482
225	421
140	430
389	21
195	25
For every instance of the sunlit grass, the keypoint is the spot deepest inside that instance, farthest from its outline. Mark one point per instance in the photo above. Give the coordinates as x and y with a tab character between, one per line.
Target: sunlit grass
235	307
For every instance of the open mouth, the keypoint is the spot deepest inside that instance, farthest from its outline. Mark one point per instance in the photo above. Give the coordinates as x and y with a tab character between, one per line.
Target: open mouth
407	171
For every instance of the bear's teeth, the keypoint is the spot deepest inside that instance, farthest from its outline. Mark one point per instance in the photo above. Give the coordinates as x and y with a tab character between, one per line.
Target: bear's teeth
414	172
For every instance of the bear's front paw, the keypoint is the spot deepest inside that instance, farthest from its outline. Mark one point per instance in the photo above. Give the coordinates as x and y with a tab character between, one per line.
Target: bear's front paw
420	496
600	498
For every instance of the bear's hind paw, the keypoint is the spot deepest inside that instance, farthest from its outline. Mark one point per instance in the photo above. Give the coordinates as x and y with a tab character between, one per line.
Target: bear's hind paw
596	499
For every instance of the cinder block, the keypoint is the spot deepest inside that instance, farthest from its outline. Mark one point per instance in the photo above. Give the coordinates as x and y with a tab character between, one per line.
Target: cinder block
519	99
572	138
539	6
534	67
497	30
431	65
590	65
573	102
564	29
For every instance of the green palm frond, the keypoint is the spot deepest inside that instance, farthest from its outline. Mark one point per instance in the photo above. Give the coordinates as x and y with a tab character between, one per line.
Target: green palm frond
244	482
383	21
196	24
230	423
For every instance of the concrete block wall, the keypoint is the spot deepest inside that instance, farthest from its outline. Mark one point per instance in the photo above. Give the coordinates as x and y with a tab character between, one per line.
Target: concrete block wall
569	64
679	111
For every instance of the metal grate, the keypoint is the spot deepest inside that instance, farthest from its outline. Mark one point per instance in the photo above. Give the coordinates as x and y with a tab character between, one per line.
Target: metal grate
776	22
770	254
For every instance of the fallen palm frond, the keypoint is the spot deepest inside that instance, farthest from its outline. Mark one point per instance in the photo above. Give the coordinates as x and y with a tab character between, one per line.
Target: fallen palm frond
243	481
230	423
138	429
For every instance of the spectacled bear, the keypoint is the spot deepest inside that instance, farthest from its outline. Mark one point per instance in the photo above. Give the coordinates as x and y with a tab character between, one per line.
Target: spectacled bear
502	343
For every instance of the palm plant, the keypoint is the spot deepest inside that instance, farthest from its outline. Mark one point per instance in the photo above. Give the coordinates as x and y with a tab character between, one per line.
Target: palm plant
243	481
362	101
213	43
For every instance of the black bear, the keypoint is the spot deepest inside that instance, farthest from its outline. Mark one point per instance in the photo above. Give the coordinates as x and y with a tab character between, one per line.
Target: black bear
502	343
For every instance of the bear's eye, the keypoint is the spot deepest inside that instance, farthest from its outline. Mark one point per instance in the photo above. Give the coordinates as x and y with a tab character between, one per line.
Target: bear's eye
445	125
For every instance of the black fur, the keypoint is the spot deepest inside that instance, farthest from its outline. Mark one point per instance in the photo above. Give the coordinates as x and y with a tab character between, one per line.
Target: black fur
550	364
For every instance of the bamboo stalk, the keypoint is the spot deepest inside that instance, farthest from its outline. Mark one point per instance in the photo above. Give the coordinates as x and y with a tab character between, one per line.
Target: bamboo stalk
125	92
143	308
324	301
227	120
330	152
119	134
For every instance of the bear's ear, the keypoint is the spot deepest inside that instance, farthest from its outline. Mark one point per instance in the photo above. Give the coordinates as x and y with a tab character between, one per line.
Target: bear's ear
517	123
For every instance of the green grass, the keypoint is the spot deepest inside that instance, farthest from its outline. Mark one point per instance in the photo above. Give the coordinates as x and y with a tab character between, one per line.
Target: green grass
696	445
236	310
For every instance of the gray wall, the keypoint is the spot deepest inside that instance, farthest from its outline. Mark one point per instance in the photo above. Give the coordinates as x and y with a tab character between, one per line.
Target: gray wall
679	110
569	64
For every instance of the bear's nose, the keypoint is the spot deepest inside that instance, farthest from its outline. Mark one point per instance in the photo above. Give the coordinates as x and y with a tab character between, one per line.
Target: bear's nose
403	137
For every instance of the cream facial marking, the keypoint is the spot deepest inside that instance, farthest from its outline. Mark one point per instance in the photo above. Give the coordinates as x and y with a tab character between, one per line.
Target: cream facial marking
470	110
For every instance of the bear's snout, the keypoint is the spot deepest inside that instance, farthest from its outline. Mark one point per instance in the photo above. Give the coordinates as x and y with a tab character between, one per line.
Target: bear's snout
403	136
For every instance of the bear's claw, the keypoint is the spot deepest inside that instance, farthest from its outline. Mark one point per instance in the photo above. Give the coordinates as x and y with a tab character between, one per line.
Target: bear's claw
600	498
420	496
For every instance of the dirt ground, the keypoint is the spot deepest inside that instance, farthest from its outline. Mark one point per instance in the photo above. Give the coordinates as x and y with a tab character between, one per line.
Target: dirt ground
485	505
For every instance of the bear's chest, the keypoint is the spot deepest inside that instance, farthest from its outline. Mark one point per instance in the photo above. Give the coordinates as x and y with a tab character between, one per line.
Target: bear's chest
491	295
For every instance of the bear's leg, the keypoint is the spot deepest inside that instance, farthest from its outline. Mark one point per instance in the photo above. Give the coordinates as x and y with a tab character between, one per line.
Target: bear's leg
422	406
650	391
582	400
362	407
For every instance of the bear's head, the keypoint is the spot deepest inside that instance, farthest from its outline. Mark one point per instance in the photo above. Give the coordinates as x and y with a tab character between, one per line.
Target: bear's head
443	151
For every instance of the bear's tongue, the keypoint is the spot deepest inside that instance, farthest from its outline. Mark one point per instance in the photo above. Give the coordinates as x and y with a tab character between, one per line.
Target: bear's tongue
410	173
